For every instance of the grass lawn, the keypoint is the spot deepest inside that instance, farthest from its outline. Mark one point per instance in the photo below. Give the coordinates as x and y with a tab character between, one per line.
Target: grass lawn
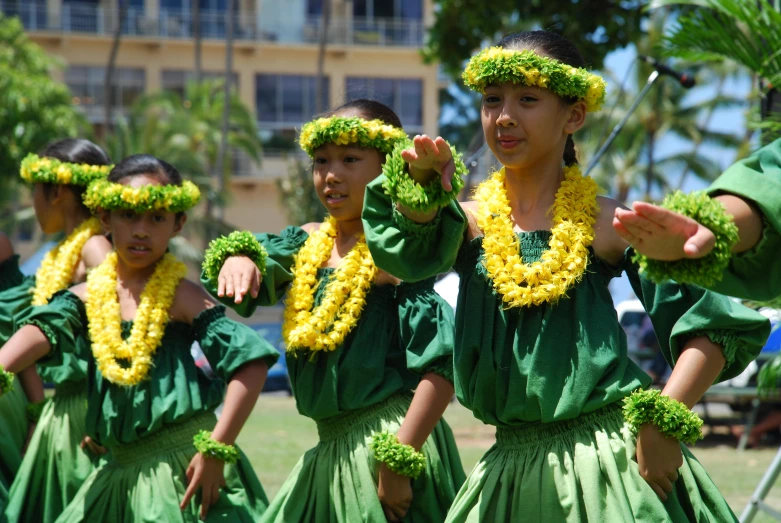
276	436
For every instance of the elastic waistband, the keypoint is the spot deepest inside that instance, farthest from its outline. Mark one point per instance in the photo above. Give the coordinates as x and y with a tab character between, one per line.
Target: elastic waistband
168	439
70	388
337	426
539	433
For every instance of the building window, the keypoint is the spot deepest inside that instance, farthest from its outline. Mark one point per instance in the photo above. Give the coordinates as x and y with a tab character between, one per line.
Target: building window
87	87
407	9
287	101
405	97
175	80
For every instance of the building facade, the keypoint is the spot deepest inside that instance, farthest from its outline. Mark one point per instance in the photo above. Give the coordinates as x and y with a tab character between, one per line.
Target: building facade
373	51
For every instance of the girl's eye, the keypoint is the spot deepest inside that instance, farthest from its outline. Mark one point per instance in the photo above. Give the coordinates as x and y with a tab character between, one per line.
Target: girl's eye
158	218
350	159
320	161
128	215
528	99
491	99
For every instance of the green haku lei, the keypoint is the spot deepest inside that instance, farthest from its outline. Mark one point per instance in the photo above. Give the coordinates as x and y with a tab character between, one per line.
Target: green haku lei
372	134
705	271
399	458
402	188
110	196
210	448
37	169
6	381
34	410
237	243
671	417
497	65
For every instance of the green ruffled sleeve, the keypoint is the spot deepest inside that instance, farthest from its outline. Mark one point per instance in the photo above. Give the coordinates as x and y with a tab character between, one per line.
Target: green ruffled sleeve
63	321
756	274
10	275
281	250
427	329
681	312
406	249
228	344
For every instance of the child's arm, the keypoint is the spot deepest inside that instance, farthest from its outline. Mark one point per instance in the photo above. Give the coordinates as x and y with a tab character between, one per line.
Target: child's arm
429	403
95	251
6	248
24	348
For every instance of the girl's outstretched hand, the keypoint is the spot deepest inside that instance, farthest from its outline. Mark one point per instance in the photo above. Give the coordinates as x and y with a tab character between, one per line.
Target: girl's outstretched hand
239	275
662	234
395	493
659	459
208	474
430	157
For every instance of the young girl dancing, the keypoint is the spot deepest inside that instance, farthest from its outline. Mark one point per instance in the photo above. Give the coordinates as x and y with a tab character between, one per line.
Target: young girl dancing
726	239
358	342
148	402
539	351
57	459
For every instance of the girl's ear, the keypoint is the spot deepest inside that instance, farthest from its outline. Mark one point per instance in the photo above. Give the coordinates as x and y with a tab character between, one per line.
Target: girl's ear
104	220
179	224
577	117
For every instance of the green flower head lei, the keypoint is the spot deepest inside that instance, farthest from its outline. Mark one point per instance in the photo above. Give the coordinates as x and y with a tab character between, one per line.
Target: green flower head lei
498	65
110	196
37	169
374	134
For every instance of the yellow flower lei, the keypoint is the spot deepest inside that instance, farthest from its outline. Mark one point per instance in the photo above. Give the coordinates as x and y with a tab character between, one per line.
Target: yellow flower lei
105	320
325	327
562	265
56	270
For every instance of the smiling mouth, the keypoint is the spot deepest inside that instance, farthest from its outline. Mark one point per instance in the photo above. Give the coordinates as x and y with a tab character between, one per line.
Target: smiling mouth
139	249
335	197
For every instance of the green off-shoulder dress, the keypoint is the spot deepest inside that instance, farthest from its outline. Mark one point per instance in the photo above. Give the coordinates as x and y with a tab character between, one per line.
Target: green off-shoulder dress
551	378
149	427
363	387
13	414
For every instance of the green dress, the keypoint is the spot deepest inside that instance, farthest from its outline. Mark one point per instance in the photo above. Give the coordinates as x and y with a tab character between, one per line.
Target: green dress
551	378
756	274
13	414
363	387
149	428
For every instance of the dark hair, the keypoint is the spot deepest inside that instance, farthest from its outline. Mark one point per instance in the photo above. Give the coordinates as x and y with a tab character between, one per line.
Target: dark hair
553	46
74	150
370	110
145	164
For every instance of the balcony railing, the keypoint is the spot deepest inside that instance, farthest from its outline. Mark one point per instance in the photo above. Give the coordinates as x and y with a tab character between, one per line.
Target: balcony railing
177	24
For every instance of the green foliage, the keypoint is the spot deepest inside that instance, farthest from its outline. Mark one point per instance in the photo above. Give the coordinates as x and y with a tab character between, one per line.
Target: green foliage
34	109
297	193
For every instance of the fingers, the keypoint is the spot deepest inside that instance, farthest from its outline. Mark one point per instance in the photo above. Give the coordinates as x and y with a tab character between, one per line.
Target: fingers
659	491
229	285
409	155
206	501
221	285
256	281
624	232
663	217
637	224
389	514
244	282
192	487
673	476
701	244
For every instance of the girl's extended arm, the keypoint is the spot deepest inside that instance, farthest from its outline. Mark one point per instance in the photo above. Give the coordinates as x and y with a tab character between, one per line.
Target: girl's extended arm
25	347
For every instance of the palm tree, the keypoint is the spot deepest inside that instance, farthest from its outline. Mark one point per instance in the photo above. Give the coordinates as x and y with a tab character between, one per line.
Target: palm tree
122	6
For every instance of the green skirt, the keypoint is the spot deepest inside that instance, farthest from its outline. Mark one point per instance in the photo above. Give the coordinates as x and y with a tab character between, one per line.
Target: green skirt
145	481
580	470
13	431
55	466
336	481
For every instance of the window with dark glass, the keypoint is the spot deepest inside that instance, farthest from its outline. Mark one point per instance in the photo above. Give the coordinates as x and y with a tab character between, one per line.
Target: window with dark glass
404	96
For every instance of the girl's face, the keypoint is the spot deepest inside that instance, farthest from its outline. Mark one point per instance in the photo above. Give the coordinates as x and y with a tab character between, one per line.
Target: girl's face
141	239
341	173
525	126
47	208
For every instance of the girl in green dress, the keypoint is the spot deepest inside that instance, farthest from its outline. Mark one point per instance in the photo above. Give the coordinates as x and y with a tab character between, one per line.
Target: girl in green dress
58	457
539	351
358	342
686	245
148	403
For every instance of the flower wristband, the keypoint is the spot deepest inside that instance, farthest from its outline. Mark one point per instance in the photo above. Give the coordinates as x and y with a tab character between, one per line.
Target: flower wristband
34	410
671	417
398	457
237	243
705	271
403	189
211	448
6	381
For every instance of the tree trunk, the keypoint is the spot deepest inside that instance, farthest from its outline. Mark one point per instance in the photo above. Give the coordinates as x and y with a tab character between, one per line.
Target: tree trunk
112	63
325	22
649	174
223	152
197	37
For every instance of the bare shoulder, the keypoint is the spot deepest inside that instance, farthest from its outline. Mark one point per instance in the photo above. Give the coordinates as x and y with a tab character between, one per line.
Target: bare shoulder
191	299
95	251
79	290
311	227
608	245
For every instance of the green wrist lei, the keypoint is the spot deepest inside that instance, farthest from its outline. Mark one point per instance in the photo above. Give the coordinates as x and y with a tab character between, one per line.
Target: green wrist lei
110	196
210	448
34	410
237	243
36	169
6	381
705	271
401	459
671	417
402	188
